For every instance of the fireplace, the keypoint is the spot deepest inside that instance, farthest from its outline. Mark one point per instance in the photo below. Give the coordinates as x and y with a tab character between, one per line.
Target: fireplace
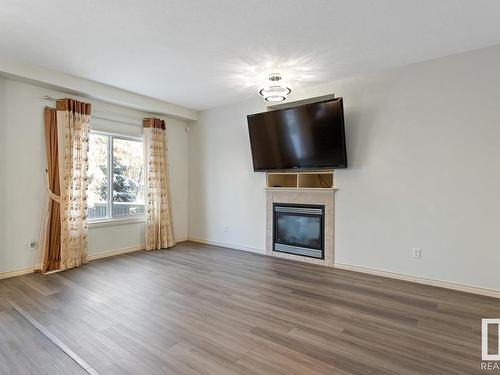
299	229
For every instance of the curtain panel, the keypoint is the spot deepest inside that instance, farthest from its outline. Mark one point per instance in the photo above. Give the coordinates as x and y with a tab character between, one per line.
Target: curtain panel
66	140
51	243
73	118
159	225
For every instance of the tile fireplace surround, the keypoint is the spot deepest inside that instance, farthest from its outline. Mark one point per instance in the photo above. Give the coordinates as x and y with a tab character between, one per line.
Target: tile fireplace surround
298	196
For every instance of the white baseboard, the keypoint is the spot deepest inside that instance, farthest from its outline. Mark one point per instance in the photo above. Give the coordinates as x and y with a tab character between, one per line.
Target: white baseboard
228	245
110	253
421	280
23	271
125	250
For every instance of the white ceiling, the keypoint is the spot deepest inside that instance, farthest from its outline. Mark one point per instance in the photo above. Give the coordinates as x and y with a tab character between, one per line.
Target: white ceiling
206	53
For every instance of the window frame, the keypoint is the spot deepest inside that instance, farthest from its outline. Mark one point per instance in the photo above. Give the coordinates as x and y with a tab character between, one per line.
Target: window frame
110	220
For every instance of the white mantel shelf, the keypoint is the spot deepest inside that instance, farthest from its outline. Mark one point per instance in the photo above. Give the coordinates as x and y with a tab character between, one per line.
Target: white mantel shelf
299	189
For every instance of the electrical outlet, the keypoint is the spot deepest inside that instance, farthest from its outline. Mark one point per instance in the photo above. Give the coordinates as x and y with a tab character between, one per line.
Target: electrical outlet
417	253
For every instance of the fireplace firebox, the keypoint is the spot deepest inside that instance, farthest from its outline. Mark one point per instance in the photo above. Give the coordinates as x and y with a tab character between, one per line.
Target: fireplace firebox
299	229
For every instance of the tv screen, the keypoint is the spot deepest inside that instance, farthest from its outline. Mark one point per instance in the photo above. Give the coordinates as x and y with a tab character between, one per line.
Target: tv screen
309	136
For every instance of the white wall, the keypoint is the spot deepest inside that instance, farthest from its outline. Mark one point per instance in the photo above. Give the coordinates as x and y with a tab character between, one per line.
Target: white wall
226	198
424	171
3	173
22	165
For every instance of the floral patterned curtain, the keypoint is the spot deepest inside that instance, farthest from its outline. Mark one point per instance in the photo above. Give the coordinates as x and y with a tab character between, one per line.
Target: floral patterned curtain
73	119
159	226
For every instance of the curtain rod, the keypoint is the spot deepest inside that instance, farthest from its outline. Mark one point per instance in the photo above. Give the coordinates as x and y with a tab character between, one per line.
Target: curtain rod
101	115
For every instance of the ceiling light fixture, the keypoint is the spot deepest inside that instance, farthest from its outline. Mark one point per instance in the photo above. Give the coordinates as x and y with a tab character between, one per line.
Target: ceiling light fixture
273	89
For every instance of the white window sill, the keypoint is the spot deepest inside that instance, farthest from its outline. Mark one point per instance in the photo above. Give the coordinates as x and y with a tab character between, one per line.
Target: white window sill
113	222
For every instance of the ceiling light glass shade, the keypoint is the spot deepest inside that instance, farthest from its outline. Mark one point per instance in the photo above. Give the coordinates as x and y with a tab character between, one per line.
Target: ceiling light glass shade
273	90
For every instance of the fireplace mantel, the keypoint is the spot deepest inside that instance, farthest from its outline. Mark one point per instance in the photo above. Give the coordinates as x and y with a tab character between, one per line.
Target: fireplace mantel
300	189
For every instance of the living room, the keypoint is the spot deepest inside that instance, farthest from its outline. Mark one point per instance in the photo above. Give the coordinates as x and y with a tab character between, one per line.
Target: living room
249	187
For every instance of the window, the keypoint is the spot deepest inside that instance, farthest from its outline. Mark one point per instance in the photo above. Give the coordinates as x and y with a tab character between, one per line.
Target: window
116	177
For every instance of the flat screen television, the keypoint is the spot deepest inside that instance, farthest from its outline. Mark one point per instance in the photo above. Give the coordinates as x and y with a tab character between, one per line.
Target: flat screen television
309	136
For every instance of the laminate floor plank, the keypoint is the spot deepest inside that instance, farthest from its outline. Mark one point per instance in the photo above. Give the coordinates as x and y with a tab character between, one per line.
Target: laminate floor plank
199	309
24	350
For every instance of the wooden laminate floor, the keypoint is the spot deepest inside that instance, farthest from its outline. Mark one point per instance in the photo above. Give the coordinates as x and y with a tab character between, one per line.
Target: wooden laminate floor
199	309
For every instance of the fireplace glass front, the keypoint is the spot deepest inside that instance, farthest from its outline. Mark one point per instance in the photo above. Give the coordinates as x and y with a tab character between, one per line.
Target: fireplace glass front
299	229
